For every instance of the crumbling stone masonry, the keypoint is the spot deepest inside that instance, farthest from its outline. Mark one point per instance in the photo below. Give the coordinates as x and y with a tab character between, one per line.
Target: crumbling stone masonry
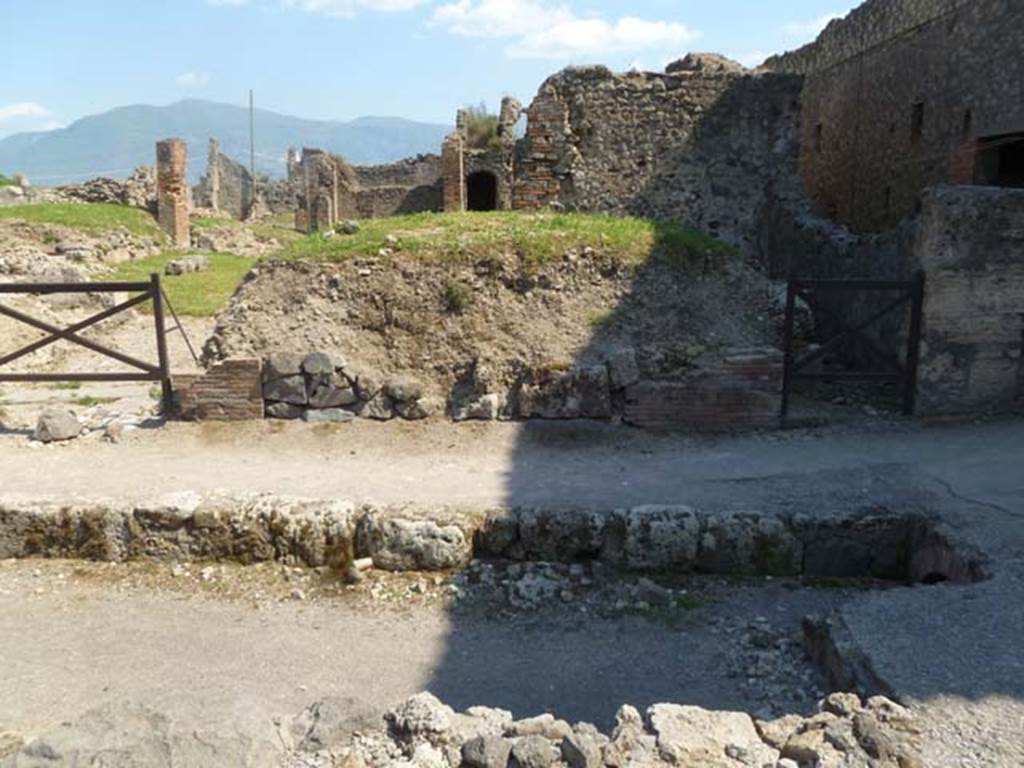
330	190
905	94
407	186
698	143
173	190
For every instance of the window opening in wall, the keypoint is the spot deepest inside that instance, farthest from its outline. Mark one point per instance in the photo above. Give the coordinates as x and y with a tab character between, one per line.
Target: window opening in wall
917	123
819	133
968	127
1000	161
888	201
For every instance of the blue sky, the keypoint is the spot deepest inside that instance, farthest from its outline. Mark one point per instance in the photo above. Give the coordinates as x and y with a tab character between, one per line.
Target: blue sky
339	59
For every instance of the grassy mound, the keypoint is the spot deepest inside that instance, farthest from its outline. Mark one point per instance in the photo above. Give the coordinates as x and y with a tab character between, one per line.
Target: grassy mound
535	237
87	217
197	294
6	182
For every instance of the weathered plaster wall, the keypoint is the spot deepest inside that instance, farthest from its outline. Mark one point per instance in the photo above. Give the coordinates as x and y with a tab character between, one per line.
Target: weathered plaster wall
897	96
697	144
971	244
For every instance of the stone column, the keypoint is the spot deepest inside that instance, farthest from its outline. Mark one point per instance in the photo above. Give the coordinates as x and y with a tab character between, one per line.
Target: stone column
453	173
172	192
213	174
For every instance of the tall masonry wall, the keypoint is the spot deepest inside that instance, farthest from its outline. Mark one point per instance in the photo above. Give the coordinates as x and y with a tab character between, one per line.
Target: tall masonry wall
698	143
902	95
970	244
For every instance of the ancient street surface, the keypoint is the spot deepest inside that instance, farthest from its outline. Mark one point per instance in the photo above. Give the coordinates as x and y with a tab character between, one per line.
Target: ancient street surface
141	635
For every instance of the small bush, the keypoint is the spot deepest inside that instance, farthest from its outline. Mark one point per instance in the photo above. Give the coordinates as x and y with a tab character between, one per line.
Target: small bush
457	297
5	181
481	127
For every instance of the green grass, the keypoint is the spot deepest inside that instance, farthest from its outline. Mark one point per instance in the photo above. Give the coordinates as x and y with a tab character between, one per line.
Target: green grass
197	294
67	385
535	237
88	401
87	217
213	222
6	182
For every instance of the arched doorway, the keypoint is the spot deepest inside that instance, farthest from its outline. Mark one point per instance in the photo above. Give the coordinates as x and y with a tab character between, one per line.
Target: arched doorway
481	191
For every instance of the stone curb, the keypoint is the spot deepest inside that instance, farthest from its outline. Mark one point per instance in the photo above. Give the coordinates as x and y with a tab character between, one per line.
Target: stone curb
315	532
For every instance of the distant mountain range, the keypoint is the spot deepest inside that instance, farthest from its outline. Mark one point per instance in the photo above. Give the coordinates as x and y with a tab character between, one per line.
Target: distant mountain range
114	143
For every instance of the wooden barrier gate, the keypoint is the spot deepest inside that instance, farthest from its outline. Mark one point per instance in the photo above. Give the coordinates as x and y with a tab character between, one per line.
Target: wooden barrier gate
148	291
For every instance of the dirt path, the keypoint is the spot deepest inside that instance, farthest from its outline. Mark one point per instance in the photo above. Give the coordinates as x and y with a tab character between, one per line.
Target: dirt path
486	464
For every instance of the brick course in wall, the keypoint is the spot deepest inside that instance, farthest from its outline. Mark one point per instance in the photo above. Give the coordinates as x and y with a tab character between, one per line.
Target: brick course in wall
229	391
741	393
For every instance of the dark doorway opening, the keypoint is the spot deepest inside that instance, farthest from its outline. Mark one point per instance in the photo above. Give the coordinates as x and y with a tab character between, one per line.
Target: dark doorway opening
1001	161
482	191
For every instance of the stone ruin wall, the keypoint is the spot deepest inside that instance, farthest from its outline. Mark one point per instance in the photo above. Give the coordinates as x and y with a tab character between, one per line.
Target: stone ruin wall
330	190
407	186
697	144
228	187
862	160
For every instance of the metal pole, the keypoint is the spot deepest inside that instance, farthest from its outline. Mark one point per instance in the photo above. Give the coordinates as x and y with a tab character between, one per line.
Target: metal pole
787	363
161	345
914	345
252	148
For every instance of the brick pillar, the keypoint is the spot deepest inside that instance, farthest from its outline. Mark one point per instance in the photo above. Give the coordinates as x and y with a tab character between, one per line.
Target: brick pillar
453	173
213	174
172	190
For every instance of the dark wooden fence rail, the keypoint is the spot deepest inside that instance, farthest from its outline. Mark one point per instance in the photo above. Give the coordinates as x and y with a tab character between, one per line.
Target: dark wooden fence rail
146	291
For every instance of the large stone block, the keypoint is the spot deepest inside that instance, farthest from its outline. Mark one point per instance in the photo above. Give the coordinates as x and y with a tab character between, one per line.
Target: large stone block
659	538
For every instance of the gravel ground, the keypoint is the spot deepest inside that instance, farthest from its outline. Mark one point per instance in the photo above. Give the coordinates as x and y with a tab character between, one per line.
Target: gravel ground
230	648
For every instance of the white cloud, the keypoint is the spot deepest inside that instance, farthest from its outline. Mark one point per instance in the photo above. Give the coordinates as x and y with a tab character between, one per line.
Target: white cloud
347	8
339	9
192	79
542	30
22	109
808	30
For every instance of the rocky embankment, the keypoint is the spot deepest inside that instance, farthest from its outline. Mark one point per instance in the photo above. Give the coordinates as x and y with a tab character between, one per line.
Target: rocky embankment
423	732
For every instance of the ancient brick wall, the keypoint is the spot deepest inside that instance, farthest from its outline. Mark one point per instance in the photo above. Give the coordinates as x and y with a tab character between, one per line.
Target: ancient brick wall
229	391
970	244
697	144
743	392
453	173
897	96
172	190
